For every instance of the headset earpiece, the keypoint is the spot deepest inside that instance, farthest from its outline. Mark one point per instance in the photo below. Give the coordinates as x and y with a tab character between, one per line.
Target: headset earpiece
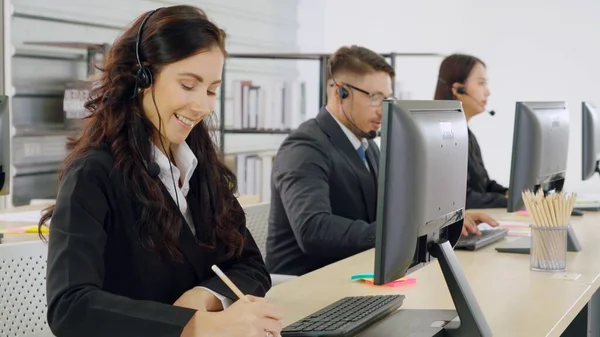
461	90
144	77
343	92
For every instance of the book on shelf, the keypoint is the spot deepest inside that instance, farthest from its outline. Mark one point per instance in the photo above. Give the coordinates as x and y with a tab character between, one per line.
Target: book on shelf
253	173
75	96
267	105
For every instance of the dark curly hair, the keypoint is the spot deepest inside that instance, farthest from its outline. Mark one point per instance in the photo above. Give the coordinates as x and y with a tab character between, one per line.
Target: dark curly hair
116	122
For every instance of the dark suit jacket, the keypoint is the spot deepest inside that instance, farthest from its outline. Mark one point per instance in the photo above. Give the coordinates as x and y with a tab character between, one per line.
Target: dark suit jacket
482	192
323	199
102	282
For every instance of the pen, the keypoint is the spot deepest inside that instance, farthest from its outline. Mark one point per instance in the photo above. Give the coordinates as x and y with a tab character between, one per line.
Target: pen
230	284
235	290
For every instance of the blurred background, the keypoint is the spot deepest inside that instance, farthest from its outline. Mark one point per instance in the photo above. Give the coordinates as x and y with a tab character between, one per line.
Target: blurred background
534	50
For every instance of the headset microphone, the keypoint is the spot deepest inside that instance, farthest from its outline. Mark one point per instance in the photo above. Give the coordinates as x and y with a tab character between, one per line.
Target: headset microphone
369	135
463	91
153	169
343	93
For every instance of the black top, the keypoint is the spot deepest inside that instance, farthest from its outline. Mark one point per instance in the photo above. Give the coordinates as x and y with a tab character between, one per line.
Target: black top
323	198
482	192
102	282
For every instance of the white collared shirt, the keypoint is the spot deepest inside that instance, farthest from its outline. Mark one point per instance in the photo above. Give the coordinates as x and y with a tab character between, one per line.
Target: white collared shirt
182	173
356	142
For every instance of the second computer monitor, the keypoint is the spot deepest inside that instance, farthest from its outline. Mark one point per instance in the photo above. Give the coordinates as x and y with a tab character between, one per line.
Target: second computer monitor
540	149
590	141
422	183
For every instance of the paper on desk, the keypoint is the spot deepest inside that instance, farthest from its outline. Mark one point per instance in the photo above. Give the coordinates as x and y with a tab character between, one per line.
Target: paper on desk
28	216
516	228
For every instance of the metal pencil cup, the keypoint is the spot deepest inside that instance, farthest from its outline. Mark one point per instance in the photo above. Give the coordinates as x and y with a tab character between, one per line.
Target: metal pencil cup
548	248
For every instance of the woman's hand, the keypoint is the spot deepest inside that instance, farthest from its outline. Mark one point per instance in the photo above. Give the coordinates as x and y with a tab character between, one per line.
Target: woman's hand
199	299
241	319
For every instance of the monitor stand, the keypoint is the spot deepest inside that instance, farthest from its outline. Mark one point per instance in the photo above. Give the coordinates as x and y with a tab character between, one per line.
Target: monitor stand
523	246
438	323
577	212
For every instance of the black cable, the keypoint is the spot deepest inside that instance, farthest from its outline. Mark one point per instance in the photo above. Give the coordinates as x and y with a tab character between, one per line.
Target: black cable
163	145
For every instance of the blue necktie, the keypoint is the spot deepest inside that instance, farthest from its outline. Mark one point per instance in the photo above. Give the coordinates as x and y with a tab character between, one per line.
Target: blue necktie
362	153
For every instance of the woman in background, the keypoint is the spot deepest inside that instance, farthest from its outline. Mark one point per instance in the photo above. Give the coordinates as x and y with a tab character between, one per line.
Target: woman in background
145	207
463	77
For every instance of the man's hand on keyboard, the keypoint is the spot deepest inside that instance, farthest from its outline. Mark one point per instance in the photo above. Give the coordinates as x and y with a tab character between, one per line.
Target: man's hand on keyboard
475	218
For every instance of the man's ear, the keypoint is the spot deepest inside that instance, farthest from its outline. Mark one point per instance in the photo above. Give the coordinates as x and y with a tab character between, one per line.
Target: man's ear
334	91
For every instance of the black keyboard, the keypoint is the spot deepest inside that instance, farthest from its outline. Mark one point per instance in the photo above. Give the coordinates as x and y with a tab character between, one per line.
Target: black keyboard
488	236
345	317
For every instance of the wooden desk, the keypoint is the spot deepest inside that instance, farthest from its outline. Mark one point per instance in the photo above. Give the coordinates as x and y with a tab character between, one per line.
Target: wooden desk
11	224
586	262
514	300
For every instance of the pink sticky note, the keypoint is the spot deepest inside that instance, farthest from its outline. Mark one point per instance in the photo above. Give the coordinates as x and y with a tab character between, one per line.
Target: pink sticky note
16	230
398	283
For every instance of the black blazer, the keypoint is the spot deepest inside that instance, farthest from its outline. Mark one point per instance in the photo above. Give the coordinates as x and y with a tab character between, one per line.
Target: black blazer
102	282
482	192
323	199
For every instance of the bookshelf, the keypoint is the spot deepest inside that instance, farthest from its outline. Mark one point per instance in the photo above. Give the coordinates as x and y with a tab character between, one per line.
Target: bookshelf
322	60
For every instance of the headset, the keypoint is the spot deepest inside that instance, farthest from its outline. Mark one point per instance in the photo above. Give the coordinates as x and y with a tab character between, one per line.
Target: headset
461	90
344	93
144	80
144	74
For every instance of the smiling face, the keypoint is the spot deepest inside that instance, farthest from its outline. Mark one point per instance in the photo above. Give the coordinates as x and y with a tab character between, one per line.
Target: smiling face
185	94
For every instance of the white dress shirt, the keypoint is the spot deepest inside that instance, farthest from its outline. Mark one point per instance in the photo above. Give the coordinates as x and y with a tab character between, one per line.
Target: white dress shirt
182	173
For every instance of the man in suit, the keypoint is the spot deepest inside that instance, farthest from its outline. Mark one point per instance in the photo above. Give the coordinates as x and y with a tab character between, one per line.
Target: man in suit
324	178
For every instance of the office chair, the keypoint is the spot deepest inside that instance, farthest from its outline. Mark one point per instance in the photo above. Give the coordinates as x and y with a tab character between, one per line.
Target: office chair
23	289
257	222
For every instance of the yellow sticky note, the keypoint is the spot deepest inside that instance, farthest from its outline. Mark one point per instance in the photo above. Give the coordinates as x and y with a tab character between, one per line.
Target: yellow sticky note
24	230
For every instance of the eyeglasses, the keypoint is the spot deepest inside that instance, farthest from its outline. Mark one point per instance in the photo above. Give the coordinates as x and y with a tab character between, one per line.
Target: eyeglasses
376	99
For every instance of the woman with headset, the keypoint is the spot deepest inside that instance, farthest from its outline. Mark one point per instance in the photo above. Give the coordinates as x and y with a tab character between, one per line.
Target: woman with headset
145	207
463	77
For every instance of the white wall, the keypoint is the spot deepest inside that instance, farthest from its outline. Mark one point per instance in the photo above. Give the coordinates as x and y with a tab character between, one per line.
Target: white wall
311	22
535	50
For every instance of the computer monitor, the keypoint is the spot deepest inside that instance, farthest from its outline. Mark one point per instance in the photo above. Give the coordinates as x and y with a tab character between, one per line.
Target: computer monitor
539	151
421	200
4	146
590	141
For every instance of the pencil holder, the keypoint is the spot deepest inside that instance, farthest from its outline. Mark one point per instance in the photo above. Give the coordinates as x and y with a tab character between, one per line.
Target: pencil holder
548	248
